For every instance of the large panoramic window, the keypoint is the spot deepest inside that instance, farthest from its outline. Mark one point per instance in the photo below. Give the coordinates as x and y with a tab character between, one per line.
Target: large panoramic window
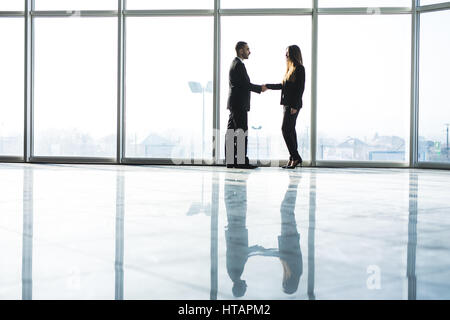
434	113
75	4
75	93
365	3
170	4
267	64
239	4
169	78
364	88
11	87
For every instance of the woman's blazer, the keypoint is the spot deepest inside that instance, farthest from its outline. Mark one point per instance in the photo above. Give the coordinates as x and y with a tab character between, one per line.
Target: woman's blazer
292	91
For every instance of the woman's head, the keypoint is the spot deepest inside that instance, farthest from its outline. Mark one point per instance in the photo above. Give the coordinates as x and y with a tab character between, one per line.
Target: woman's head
293	60
294	55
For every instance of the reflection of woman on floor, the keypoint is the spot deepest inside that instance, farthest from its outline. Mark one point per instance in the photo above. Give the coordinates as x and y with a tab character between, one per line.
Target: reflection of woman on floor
289	241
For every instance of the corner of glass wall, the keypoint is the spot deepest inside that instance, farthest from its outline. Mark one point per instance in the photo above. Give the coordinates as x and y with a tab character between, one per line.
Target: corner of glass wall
434	81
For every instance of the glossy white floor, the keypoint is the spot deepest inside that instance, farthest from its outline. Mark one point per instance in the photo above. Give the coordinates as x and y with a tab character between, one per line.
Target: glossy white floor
161	232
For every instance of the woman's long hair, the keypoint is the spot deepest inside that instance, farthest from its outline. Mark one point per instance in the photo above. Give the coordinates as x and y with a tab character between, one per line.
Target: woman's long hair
295	59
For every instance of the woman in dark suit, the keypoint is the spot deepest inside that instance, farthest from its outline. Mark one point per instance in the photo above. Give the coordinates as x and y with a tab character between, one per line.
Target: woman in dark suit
292	89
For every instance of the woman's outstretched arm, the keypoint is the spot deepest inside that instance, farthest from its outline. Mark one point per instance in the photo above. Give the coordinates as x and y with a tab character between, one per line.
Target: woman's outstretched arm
276	86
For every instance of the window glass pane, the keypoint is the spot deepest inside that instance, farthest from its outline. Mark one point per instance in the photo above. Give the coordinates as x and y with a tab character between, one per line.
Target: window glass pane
364	87
232	4
12	5
364	3
266	64
169	76
11	87
75	97
434	112
169	4
76	5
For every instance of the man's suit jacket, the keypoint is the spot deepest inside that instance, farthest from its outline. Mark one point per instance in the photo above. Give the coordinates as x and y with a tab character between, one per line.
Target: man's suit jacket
240	87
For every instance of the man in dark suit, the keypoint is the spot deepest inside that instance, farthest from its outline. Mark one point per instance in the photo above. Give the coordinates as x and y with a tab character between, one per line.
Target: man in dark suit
236	138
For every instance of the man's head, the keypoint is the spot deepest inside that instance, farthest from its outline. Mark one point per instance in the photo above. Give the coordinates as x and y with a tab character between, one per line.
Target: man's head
242	50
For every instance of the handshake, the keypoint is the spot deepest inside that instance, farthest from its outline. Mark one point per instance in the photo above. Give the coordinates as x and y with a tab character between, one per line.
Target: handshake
264	88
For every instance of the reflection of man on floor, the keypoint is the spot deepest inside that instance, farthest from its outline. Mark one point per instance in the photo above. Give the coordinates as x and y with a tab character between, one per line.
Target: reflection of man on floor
236	235
289	241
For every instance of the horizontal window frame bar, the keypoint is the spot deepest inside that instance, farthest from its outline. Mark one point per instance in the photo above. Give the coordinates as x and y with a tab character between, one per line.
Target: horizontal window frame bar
11	159
168	13
198	162
433	165
8	14
361	164
266	12
72	160
434	7
365	11
75	13
167	161
193	162
231	12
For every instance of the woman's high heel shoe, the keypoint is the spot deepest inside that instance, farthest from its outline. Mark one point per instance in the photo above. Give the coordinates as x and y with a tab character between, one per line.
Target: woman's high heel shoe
287	165
294	164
